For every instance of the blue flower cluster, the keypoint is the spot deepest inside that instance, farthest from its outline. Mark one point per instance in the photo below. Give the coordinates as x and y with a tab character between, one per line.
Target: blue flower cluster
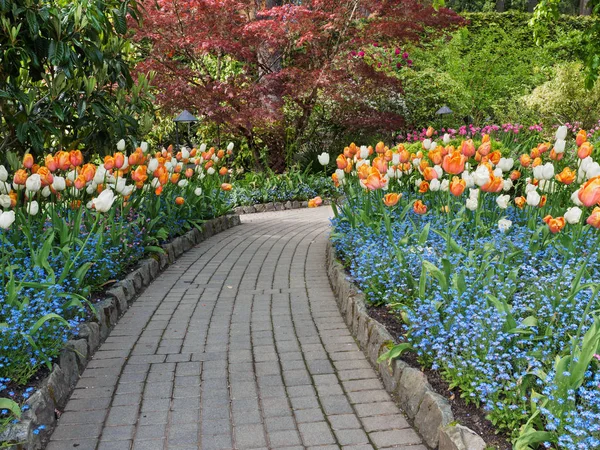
494	314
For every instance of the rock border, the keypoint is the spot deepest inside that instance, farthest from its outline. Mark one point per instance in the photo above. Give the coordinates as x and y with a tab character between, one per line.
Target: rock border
274	206
430	412
56	389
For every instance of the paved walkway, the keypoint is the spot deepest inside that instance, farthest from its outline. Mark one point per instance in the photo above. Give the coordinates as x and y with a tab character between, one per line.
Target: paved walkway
237	345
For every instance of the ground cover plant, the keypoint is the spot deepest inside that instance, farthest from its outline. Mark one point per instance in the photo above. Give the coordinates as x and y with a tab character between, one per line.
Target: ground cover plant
489	255
68	228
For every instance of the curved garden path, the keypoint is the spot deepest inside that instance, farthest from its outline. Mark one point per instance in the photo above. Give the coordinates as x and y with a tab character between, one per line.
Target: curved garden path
239	344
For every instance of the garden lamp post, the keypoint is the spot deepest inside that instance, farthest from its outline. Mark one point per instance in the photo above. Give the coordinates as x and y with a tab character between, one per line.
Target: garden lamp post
441	112
184	117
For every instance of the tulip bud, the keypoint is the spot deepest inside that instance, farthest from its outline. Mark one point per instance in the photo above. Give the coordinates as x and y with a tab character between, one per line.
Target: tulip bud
573	215
504	225
33	208
121	145
144	147
6	219
561	132
3	173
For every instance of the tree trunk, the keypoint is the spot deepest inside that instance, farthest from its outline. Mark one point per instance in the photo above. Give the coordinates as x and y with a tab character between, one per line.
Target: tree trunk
584	9
500	5
531	4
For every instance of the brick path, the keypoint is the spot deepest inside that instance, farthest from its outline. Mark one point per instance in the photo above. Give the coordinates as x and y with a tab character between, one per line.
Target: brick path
239	344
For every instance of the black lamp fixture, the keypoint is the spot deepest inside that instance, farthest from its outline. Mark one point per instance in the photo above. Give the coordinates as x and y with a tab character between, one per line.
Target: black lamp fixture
442	112
184	117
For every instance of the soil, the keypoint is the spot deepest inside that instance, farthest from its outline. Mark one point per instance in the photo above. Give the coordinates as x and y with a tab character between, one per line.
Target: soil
468	415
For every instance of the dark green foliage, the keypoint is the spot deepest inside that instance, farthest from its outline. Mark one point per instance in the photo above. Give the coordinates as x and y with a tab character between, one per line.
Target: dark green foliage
64	75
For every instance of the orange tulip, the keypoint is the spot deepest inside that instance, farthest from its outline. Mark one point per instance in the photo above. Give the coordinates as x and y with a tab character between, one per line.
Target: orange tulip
581	138
64	160
336	181
429	132
495	156
88	171
454	163
375	180
485	138
423	187
119	160
341	162
140	174
525	160
387	155
223	171
536	162
467	148
515	175
348	168
494	185
79	182
51	163
363	172
158	190
556	156
589	193
179	201
109	162
567	176
20	177
435	156
175	178
46	176
404	155
543	148
189	172
13	199
429	173
457	186
419	207
543	200
391	199
520	202
208	165
594	218
221	154
585	150
380	164
318	201
28	161
555	224
76	158
226	186
485	148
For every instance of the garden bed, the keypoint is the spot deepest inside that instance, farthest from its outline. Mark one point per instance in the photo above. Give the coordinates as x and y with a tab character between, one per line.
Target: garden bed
51	392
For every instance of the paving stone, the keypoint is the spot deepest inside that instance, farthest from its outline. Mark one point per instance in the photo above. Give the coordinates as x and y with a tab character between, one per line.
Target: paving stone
238	344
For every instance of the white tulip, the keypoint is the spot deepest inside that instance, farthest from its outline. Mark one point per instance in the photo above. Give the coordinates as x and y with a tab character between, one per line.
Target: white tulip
362	162
33	183
559	146
90	204
211	171
127	190
155	183
125	163
548	171
439	171
575	198
104	201
6	219
5	187
59	184
121	145
323	158
573	215
5	201
364	152
198	191
472	204
46	192
446	139
533	198
3	173
497	172
427	144
468	179
506	164
434	185
395	159
169	166
33	208
417	162
90	188
445	185
391	173
503	201
547	186
474	193
504	225
152	165
529	188
203	148
185	153
182	183
433	146
340	174
230	146
17	187
481	176
144	147
507	185
561	132
593	170
100	175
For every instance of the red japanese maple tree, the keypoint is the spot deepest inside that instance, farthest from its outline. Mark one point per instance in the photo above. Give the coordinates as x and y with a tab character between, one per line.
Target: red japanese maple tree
260	67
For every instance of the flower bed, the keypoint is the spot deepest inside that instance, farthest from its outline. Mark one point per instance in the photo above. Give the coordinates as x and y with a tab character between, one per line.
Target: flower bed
489	256
69	229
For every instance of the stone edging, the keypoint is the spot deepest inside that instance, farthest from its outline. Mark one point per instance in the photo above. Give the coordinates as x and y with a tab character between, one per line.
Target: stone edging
274	206
430	412
56	389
